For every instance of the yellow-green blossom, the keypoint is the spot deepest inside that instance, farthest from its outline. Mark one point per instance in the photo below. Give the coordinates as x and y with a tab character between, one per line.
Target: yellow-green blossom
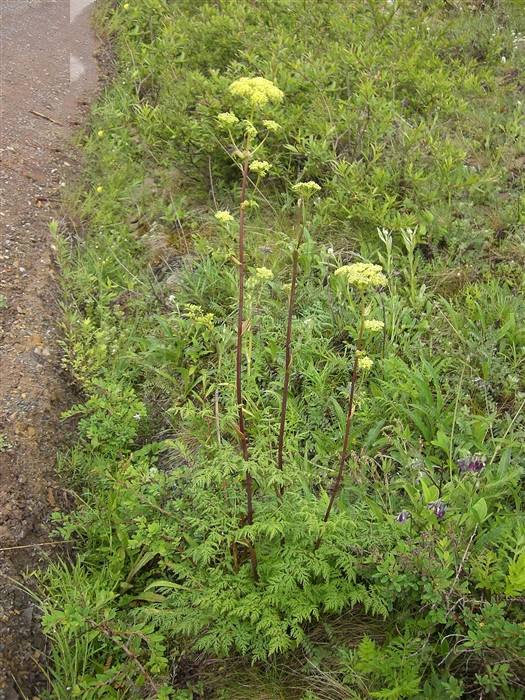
287	288
223	216
227	119
257	91
249	204
363	275
100	133
264	273
261	167
99	189
196	314
249	129
374	325
306	189
364	362
271	125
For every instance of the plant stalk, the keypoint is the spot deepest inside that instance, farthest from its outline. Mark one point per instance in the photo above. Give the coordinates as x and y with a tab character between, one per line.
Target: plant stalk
349	417
288	356
238	381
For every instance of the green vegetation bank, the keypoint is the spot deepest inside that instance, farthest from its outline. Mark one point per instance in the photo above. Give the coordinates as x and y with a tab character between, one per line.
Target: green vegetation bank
293	306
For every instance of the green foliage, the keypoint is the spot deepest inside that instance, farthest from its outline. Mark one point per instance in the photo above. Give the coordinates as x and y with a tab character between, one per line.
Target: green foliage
404	115
111	418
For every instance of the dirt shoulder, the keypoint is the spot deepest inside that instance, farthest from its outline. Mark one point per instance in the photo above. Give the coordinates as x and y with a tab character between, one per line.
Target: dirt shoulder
48	79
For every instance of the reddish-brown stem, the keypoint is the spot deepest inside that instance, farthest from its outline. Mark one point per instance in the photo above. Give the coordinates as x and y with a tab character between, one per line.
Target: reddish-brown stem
253	560
238	381
288	357
349	417
240	329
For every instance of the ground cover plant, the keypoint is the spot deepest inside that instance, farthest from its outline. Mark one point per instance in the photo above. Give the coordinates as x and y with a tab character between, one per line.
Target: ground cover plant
295	313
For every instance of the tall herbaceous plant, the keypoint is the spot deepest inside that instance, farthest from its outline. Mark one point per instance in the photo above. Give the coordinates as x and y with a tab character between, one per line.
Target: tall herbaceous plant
261	549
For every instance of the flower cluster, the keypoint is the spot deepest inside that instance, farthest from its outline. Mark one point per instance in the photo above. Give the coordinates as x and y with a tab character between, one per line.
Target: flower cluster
363	275
402	517
261	167
249	129
438	508
196	314
249	204
472	463
264	273
373	325
306	189
271	125
257	91
227	119
364	362
223	216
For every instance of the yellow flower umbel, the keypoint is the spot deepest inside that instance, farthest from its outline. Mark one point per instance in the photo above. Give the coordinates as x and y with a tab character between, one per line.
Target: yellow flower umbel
261	167
227	119
257	91
264	273
373	325
306	189
196	314
364	362
271	125
224	217
363	275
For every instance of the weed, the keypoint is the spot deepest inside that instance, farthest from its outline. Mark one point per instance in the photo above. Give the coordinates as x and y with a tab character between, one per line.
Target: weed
4	443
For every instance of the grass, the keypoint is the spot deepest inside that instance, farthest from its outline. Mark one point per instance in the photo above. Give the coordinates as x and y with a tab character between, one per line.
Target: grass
407	581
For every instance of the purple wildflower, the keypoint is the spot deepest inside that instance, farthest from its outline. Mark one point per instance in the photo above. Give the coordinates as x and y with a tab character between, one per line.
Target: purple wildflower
472	463
439	509
403	517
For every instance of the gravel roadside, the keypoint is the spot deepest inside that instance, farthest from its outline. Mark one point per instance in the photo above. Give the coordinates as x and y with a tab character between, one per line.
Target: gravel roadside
48	77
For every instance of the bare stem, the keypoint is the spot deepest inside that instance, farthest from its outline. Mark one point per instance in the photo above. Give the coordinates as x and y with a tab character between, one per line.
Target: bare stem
349	417
299	228
240	330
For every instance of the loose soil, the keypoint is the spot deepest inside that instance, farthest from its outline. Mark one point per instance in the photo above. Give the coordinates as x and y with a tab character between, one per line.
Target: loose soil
48	78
